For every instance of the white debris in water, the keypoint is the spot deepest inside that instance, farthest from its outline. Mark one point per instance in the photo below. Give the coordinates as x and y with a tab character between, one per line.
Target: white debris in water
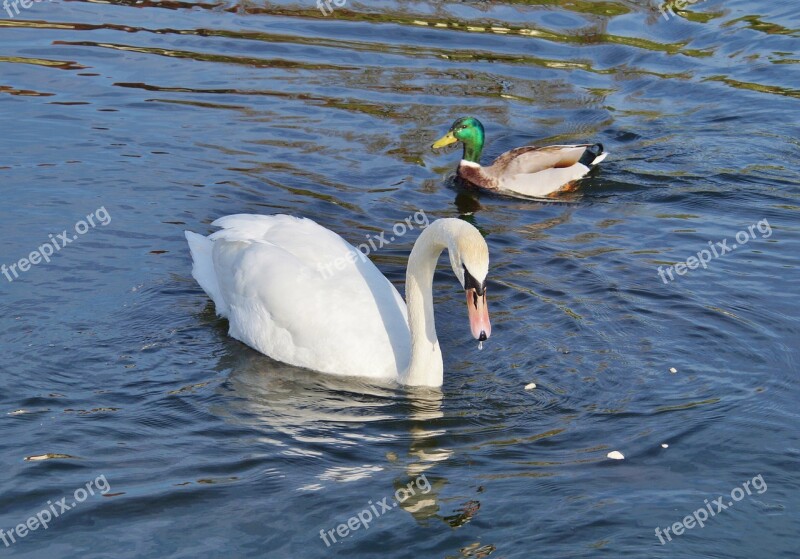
530	386
664	445
673	370
615	455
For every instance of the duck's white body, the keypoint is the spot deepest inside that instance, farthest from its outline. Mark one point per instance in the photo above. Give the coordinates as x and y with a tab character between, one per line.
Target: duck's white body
301	294
534	172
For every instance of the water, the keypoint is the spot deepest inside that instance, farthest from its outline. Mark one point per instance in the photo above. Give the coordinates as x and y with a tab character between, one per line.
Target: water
167	115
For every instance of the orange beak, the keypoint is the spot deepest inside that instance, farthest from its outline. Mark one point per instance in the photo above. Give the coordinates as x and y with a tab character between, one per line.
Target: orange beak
478	312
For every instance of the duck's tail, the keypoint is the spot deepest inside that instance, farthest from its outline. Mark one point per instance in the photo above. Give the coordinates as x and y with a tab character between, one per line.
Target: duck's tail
593	155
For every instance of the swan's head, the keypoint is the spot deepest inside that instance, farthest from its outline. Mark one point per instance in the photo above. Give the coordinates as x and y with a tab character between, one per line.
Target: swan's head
469	257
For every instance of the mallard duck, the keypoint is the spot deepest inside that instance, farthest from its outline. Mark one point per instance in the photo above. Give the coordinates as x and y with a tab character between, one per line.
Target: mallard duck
527	171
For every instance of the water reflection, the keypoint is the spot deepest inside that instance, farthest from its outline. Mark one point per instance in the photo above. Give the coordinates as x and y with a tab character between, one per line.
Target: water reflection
320	414
296	401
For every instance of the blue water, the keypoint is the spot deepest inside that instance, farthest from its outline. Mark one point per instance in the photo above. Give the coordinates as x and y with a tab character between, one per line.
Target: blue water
165	115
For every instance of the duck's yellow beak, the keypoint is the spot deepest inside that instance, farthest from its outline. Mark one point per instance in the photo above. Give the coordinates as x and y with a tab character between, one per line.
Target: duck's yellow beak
445	140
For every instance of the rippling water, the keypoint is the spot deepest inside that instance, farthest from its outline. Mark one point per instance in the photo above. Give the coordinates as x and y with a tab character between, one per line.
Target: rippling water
169	114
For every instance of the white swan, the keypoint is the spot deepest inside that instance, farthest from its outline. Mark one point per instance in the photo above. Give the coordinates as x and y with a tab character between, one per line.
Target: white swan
301	294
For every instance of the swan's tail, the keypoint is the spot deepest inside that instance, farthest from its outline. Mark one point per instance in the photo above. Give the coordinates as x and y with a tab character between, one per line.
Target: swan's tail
203	269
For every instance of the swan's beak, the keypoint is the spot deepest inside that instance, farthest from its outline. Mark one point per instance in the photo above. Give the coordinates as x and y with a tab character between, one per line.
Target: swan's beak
445	140
478	315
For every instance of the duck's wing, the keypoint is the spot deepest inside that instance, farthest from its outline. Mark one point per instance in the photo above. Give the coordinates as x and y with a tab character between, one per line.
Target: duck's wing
537	172
301	294
532	159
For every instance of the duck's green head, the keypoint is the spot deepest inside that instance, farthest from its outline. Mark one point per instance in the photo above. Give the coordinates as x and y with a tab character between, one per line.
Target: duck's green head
468	131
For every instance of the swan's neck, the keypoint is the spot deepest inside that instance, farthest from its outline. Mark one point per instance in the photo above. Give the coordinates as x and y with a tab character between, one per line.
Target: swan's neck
427	367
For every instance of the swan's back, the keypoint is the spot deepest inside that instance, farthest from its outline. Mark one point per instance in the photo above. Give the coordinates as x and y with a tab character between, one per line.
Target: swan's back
302	295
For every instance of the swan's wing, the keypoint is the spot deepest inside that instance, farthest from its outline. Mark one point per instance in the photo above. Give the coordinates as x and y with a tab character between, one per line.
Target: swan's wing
302	295
301	237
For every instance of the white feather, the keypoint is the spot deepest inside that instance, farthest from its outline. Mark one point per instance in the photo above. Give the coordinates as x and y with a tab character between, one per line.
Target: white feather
203	269
301	294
